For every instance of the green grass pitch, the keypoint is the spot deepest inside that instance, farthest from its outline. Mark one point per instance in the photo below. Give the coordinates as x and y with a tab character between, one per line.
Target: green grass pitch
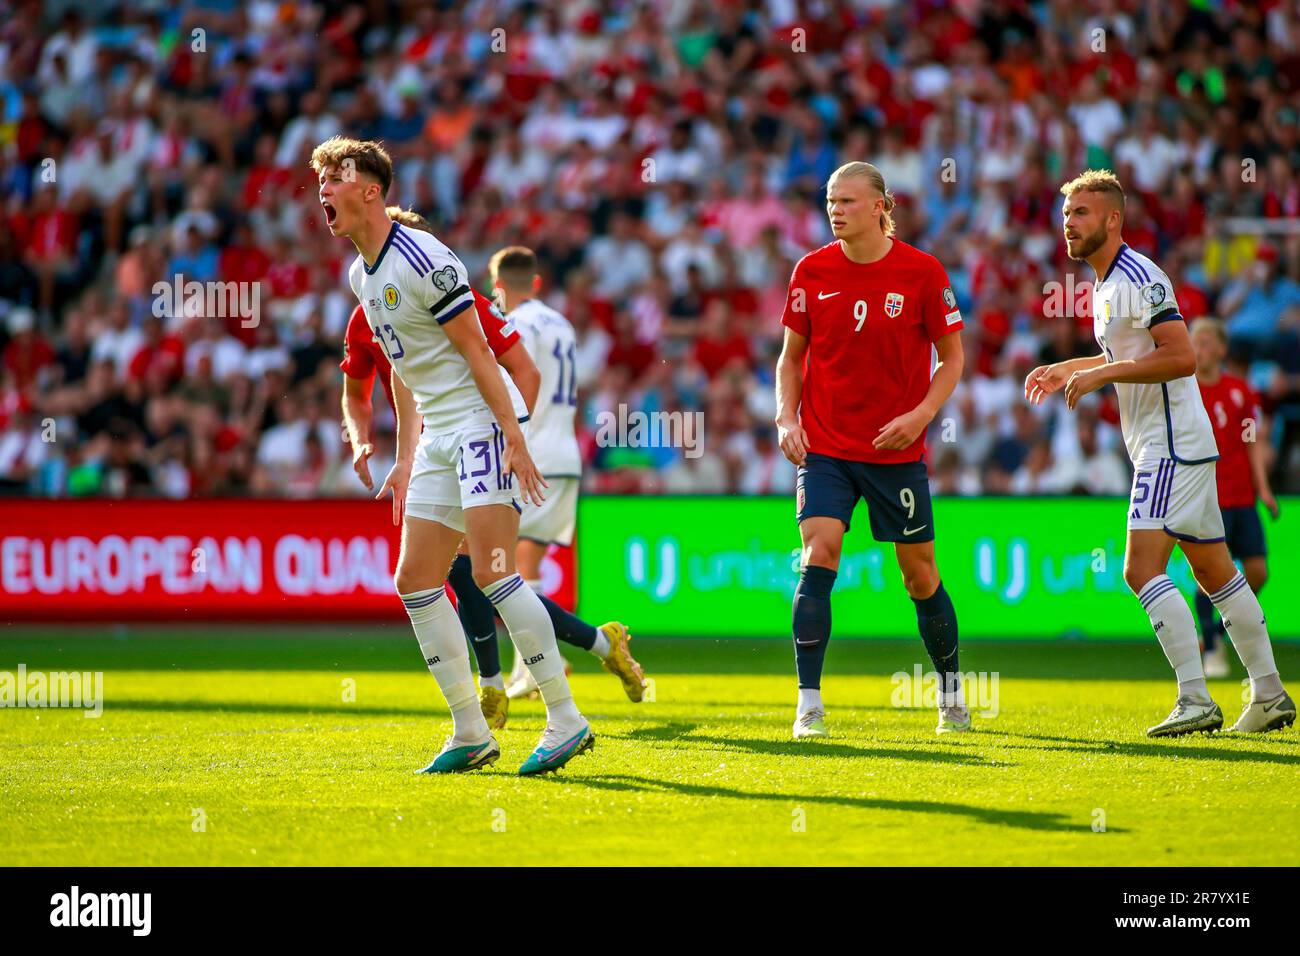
247	732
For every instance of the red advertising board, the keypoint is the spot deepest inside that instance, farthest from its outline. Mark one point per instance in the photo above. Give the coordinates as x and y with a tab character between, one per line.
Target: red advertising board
231	559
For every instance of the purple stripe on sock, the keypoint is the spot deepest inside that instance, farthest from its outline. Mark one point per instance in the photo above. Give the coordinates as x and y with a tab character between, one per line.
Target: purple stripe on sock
507	589
1230	589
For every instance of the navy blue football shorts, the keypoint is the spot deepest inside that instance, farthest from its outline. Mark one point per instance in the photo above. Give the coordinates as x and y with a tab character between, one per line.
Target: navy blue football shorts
897	496
1244	533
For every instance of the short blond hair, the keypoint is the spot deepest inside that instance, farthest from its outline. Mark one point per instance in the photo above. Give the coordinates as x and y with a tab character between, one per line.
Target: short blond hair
367	156
1096	181
409	217
876	180
1211	325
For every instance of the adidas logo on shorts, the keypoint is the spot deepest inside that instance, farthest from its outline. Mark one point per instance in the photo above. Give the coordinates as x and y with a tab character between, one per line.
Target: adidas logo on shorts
479	488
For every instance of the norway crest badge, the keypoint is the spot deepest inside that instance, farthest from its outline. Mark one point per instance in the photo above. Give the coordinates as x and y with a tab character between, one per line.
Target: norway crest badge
893	304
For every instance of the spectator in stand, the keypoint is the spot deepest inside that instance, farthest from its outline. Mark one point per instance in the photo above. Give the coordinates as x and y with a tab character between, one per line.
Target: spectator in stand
1254	301
27	357
620	261
667	163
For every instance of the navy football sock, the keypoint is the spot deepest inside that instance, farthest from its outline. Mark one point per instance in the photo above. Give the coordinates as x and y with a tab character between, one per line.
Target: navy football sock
937	621
476	616
569	629
812	623
1211	625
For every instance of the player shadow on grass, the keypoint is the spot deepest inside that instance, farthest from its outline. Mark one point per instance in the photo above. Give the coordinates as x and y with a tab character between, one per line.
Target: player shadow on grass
683	732
256	707
1134	748
784	707
1020	819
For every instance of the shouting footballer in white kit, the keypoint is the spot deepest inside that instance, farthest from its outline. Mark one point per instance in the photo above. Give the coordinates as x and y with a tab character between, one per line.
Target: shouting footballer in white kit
1147	355
458	475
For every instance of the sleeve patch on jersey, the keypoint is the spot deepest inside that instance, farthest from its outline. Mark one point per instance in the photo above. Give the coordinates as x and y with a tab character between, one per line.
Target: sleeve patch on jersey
953	317
444	319
446	279
1154	294
449	298
949	299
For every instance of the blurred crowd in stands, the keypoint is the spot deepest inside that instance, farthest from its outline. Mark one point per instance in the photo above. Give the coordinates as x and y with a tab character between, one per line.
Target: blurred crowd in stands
666	159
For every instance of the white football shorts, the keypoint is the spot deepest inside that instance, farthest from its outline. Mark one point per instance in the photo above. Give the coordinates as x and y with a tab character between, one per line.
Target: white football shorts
459	470
1181	500
554	520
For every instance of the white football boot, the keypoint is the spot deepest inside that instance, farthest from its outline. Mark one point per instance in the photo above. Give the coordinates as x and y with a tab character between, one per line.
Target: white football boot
1216	662
1187	717
811	724
953	720
1261	716
521	683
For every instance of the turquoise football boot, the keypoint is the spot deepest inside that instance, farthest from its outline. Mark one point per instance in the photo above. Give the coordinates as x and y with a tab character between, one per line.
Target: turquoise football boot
458	759
553	752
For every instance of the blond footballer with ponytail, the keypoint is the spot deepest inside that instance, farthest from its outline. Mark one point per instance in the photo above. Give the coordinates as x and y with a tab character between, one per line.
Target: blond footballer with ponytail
876	180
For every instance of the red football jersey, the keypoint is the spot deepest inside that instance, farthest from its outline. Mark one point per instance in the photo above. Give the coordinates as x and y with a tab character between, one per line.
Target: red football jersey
1230	402
363	356
870	329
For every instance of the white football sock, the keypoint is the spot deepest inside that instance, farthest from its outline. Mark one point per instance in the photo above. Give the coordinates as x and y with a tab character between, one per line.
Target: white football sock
533	635
1243	619
956	697
601	646
810	698
1171	619
496	680
442	642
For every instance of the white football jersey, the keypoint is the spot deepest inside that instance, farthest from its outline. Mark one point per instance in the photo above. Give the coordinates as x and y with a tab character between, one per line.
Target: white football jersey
1164	419
415	286
553	345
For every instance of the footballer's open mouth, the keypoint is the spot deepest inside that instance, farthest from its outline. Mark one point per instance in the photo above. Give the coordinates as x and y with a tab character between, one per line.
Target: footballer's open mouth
331	214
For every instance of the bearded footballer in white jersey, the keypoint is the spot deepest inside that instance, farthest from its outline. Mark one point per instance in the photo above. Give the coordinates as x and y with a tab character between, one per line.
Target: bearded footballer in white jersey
1147	355
553	345
456	478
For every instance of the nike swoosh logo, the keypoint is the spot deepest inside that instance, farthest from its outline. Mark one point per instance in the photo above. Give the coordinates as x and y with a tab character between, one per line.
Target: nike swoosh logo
915	530
564	748
823	295
1274	704
486	637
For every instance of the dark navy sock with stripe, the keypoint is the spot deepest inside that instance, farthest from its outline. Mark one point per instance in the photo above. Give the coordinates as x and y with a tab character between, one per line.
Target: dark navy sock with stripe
937	621
1211	625
569	629
812	623
476	616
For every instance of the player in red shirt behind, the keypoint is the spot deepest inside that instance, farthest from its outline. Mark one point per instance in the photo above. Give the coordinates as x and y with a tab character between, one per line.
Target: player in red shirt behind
1240	472
855	393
